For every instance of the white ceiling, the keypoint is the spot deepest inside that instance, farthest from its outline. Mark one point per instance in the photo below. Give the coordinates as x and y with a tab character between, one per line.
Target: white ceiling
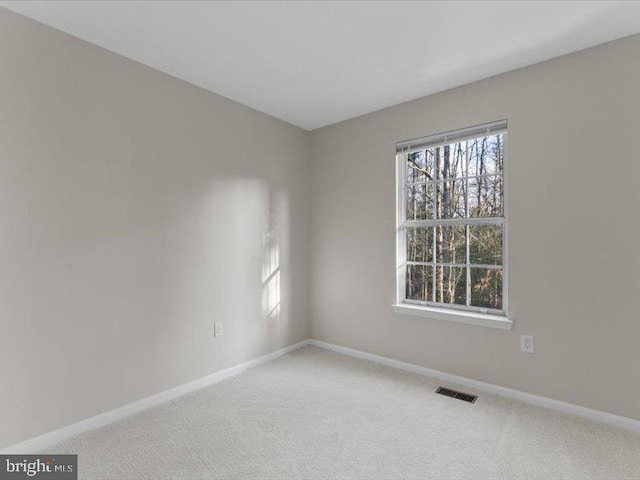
317	63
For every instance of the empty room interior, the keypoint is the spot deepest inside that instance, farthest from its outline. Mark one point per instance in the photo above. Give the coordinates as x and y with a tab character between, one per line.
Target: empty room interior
319	240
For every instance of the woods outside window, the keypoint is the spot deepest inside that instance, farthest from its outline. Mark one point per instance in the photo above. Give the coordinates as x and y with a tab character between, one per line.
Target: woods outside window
451	232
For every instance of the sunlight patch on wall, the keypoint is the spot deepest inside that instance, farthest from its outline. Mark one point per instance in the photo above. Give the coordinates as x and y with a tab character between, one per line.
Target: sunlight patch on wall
271	273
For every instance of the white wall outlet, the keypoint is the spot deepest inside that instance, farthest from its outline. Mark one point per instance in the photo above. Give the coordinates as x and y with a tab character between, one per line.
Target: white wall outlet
526	344
217	329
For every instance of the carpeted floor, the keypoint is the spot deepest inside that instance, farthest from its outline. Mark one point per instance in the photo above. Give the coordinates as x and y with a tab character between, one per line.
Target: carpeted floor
314	414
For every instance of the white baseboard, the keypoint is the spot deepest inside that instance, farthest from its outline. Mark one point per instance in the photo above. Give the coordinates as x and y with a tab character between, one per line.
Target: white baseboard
584	412
46	440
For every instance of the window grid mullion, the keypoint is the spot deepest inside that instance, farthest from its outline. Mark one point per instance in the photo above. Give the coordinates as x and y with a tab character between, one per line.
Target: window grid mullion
466	229
457	265
433	267
455	222
453	179
434	275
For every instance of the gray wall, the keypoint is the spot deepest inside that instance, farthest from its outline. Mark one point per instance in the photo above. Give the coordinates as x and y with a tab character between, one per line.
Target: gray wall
133	208
574	193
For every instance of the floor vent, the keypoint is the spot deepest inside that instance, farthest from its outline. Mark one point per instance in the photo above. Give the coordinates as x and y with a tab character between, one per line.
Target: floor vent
455	394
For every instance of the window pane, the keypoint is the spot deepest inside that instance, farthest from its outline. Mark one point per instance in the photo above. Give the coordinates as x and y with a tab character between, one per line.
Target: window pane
485	244
457	183
419	283
486	197
450	199
451	244
486	155
451	285
420	201
486	287
420	166
419	244
450	161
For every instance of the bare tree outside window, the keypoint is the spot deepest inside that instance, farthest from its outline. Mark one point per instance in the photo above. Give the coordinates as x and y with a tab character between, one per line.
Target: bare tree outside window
453	223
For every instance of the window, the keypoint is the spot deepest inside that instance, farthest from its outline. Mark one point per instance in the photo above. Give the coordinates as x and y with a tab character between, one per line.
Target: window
451	231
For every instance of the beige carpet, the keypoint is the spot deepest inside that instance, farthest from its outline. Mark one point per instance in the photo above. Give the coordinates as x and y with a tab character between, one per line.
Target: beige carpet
317	414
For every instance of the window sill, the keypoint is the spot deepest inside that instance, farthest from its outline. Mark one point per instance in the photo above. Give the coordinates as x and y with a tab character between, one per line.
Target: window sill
469	318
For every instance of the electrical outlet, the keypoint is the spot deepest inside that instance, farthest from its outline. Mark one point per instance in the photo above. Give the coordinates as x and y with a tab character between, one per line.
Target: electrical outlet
527	344
217	329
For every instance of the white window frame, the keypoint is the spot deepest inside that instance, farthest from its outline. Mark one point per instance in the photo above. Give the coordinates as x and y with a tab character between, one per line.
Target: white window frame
458	313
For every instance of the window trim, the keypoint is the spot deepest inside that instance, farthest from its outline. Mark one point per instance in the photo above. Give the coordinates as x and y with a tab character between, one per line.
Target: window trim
457	313
453	315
